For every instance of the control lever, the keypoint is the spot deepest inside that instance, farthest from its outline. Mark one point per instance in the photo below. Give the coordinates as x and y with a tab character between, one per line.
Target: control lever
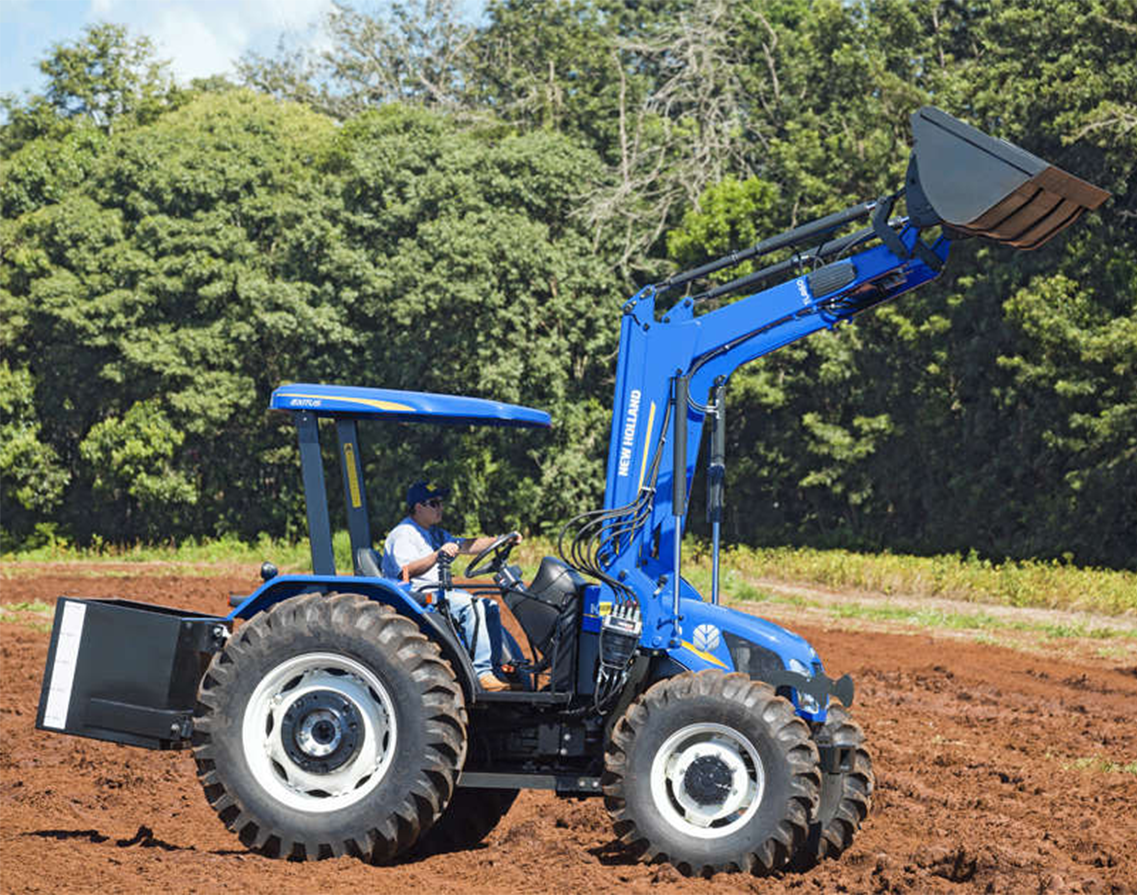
445	575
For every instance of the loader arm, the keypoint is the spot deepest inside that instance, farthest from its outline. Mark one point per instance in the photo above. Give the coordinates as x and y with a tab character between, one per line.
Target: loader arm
709	348
960	183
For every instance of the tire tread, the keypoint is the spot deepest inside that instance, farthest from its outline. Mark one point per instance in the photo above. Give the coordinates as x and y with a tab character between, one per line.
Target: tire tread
445	725
788	730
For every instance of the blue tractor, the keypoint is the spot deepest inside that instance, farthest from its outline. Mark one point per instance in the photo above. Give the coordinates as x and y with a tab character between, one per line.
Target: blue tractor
343	716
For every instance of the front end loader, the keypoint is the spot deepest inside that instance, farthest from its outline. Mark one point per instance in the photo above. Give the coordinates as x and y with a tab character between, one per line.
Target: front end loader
338	713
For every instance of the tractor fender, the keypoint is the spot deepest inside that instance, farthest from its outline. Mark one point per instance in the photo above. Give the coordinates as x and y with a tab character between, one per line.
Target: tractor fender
382	590
283	587
715	636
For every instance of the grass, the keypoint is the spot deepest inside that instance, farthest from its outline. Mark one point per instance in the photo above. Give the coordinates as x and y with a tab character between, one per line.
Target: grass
34	615
736	588
1029	583
981	622
192	551
1095	763
967	621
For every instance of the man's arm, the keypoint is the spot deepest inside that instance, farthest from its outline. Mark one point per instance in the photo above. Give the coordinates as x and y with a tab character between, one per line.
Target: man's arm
420	566
404	555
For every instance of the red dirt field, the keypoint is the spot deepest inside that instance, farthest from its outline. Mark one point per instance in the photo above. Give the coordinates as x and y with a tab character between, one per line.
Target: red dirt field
998	770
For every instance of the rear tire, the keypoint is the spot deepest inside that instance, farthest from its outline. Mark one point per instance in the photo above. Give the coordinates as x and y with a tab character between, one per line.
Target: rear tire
712	772
469	818
846	796
328	726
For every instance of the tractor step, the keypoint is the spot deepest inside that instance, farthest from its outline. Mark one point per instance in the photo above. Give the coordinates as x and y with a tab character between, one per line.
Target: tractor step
565	784
523	697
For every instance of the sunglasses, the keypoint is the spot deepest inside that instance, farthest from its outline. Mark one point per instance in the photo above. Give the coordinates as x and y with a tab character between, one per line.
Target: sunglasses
435	502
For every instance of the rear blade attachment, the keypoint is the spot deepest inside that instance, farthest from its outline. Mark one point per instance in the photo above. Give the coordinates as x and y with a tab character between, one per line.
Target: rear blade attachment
981	186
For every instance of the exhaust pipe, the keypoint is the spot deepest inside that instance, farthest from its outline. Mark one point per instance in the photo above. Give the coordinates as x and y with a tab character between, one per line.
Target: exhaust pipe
981	186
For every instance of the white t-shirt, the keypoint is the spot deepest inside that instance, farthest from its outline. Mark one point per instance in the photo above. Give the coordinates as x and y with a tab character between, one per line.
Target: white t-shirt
409	541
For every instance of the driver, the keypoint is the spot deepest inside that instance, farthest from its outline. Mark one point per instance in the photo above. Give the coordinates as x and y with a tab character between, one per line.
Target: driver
411	552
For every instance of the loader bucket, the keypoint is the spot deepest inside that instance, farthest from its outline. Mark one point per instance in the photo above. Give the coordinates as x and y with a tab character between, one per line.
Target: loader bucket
982	186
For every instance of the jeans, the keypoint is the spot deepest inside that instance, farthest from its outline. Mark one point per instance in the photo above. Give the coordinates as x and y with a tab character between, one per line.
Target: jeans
481	634
480	624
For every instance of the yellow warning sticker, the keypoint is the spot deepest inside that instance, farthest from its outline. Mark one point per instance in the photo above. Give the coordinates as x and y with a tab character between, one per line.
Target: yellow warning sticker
352	474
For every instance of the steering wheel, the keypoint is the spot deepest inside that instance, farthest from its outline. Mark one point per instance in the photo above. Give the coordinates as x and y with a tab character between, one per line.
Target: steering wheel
499	552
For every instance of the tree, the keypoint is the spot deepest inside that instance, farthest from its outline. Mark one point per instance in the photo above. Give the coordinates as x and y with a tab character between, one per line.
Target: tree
103	78
238	243
474	278
160	298
415	53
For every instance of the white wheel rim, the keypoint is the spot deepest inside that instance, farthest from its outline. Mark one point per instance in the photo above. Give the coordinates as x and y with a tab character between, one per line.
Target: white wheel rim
318	732
707	780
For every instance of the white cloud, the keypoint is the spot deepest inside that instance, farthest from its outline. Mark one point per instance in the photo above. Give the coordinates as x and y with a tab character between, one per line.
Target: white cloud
196	49
206	37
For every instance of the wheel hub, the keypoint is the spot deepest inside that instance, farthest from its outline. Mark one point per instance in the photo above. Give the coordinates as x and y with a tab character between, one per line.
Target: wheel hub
708	780
321	731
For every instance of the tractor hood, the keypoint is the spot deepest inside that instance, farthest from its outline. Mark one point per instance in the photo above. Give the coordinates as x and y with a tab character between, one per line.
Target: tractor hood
402	406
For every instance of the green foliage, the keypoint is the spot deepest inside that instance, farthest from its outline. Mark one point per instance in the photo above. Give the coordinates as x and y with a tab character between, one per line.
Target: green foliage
731	214
34	479
460	208
103	80
106	75
178	274
44	171
132	457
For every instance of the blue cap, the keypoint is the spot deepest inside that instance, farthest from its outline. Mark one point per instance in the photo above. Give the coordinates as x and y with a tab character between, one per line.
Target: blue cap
421	492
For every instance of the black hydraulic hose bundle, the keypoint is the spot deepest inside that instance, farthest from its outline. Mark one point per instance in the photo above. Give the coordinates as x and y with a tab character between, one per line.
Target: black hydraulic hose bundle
599	538
601	534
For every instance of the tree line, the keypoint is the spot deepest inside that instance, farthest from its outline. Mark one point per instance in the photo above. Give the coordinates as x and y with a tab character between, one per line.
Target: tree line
432	204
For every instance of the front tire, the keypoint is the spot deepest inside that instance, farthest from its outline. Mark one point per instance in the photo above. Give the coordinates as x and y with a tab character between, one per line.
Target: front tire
329	725
712	772
846	792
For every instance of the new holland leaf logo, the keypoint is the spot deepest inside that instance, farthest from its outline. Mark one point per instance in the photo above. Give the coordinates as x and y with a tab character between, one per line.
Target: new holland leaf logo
706	637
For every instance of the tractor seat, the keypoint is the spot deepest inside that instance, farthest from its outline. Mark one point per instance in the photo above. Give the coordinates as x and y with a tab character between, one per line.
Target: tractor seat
368	563
367	560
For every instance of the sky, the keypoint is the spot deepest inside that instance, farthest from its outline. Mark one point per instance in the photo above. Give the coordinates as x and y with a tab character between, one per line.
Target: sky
198	37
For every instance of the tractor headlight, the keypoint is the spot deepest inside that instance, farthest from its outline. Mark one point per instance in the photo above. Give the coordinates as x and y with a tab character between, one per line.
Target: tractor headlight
804	700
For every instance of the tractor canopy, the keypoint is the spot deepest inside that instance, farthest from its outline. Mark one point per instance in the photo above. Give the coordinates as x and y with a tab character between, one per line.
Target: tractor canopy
403	406
981	186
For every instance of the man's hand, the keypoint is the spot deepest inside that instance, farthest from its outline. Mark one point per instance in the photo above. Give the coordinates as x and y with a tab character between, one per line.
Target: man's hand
450	549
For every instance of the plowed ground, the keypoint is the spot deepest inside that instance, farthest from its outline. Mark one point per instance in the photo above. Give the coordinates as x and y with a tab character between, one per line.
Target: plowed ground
998	770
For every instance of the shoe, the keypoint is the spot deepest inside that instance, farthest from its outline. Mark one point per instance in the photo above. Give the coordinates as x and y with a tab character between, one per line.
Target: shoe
491	683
